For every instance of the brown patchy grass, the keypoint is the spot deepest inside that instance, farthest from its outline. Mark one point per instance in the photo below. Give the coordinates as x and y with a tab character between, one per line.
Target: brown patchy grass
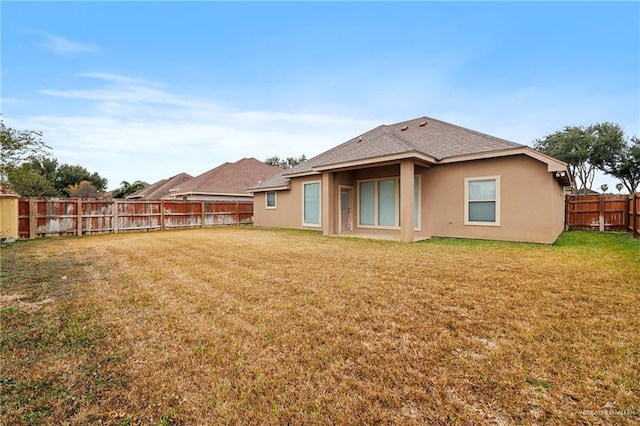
247	326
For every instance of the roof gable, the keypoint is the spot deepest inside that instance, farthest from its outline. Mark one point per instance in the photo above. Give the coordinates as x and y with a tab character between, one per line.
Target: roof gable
161	188
228	178
434	141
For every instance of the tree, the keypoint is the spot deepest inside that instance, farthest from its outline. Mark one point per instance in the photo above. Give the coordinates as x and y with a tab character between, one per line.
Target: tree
604	187
584	149
19	146
625	165
34	178
47	167
287	163
127	188
30	183
71	175
619	186
83	189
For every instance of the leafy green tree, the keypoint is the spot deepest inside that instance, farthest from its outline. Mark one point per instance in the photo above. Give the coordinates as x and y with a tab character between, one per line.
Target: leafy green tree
625	165
604	187
18	146
584	149
47	167
71	175
127	188
619	186
287	163
28	182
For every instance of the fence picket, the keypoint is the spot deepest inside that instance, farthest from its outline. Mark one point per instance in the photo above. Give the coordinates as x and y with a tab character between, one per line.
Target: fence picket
42	217
602	213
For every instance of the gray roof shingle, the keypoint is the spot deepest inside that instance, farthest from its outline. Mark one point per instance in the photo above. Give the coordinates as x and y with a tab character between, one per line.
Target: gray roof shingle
423	135
228	178
159	189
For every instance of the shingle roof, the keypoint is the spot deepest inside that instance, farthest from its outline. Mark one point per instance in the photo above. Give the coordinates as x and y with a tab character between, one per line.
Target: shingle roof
228	178
424	135
7	191
160	189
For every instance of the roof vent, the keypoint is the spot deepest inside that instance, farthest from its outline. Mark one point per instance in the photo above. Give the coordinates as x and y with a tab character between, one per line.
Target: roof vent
422	124
404	128
360	139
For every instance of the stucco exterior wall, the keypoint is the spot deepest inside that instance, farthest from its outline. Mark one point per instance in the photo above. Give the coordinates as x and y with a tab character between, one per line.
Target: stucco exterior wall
530	200
288	211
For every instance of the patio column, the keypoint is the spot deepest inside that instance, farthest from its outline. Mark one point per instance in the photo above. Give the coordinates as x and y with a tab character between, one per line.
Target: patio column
406	201
329	204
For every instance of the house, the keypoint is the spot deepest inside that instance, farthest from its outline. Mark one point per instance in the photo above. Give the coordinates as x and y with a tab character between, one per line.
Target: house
160	189
227	182
418	179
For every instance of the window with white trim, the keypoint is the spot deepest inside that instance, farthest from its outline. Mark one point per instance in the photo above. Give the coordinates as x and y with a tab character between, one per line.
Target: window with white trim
379	202
482	201
270	199
311	204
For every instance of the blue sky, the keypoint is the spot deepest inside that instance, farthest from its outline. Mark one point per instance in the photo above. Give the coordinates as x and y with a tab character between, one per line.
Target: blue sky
146	90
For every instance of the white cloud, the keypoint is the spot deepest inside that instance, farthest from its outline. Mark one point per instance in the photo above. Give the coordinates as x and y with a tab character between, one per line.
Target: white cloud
131	129
62	46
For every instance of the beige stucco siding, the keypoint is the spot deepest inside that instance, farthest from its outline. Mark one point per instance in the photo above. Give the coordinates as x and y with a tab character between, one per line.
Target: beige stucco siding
288	211
530	200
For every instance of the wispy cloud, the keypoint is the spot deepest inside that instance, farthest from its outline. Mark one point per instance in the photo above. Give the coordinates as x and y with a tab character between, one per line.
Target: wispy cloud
129	128
62	46
137	129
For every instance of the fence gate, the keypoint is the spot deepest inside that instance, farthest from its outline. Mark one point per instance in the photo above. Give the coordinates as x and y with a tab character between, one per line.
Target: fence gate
603	213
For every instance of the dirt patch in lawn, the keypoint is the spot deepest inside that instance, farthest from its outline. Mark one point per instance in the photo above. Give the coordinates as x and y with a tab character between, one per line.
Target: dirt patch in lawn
246	326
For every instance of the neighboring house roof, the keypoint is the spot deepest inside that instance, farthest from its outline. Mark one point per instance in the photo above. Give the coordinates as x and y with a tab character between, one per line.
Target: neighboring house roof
159	189
7	192
427	139
228	179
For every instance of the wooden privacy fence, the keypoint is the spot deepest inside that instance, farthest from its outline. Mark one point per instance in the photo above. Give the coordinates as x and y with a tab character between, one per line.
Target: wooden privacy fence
603	213
45	217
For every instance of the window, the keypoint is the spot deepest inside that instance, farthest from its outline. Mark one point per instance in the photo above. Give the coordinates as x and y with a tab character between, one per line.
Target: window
387	203
311	204
416	202
482	201
271	200
367	203
379	202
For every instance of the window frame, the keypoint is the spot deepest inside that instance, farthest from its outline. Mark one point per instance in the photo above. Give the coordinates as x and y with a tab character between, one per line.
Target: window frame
275	200
467	181
312	225
397	203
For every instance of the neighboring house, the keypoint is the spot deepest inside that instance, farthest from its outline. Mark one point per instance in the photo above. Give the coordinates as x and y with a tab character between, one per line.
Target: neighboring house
419	179
160	189
227	182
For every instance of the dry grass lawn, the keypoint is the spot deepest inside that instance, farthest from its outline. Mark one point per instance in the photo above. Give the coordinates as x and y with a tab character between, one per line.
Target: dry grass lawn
248	326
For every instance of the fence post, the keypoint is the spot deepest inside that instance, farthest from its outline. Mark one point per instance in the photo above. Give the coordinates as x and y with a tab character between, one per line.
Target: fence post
115	216
237	213
162	215
634	199
601	215
625	217
79	216
202	213
32	218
